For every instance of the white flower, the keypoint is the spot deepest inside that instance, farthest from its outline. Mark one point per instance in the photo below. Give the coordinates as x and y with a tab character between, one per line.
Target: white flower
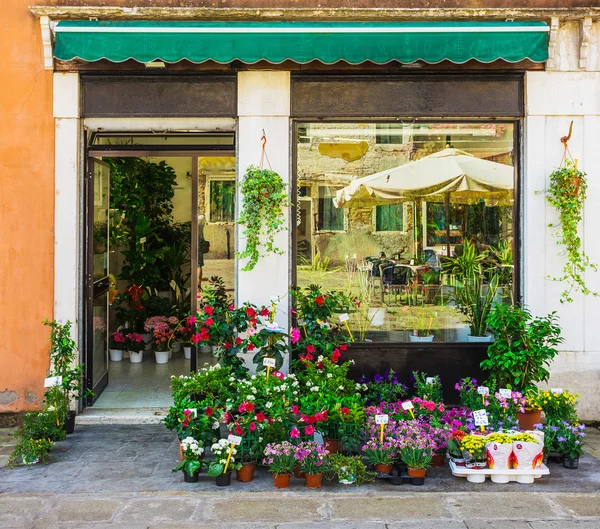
223	461
329	375
51	408
250	397
309	383
253	377
260	439
341	387
268	405
315	388
320	358
295	383
231	379
253	390
283	387
215	425
295	393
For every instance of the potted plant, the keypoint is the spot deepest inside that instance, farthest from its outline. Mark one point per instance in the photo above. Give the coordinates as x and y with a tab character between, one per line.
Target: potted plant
134	344
381	454
224	463
184	333
162	334
280	458
420	323
311	457
191	461
116	345
349	470
569	443
474	451
521	353
499	447
416	455
558	406
454	449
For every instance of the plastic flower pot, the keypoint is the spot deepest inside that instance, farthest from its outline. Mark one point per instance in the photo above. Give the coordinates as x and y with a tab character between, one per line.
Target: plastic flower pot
313	481
417	472
162	357
458	460
333	446
571	463
136	358
193	478
116	355
224	480
438	460
187	352
528	419
413	338
205	349
70	422
479	339
176	347
147	337
246	473
383	469
281	481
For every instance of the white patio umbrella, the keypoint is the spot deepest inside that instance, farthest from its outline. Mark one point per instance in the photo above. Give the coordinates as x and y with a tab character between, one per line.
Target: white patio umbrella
447	174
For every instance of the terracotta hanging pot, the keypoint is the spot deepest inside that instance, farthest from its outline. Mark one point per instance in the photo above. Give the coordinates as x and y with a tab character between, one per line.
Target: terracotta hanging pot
281	481
313	481
246	473
576	183
417	472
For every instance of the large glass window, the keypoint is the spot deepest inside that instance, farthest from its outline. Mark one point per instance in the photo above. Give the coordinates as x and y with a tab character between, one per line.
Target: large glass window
391	213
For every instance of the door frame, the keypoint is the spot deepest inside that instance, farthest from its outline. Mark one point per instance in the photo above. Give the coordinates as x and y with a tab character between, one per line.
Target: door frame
95	152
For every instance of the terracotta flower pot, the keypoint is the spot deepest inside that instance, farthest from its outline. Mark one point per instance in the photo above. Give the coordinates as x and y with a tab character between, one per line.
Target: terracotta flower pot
417	472
281	481
313	481
438	460
246	473
180	451
529	418
298	473
576	184
333	446
384	469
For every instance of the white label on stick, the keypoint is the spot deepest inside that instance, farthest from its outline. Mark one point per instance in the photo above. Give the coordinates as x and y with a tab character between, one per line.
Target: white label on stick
269	362
52	381
480	417
344	317
142	240
505	392
382	419
556	391
234	440
483	390
408	405
430	380
194	412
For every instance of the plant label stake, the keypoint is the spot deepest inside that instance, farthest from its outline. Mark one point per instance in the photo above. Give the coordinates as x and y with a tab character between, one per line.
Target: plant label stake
302	323
142	242
233	440
430	380
481	419
483	391
52	381
408	405
269	363
344	319
194	412
506	393
381	420
556	391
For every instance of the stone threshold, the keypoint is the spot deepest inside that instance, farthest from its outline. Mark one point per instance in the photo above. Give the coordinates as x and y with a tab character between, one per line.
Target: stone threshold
92	416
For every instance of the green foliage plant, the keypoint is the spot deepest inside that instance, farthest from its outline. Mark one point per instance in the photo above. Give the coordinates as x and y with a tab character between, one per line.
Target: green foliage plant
428	391
265	196
349	469
567	193
523	349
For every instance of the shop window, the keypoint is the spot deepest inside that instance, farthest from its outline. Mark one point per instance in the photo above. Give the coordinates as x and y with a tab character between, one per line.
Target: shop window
329	218
222	201
392	237
389	217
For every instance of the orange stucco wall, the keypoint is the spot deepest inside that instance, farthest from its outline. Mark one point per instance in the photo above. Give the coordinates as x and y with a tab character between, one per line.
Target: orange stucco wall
26	208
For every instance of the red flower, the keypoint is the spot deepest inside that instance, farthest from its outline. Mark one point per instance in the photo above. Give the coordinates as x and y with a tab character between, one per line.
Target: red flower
227	345
238	341
309	430
209	310
309	419
325	415
335	356
250	346
295	409
238	430
318	417
295	433
209	322
344	347
264	311
308	357
260	416
196	338
320	366
310	348
246	406
319	300
252	426
250	312
209	411
345	411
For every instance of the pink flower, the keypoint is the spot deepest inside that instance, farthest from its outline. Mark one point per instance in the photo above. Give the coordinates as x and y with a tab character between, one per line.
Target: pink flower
209	322
295	335
310	348
295	433
251	331
309	430
238	430
295	409
252	426
278	374
209	310
191	320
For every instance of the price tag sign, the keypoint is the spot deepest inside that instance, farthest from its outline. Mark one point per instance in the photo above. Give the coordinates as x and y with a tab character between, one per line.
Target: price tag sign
194	412
301	322
142	240
52	381
408	405
480	417
269	362
382	419
556	391
344	317
430	380
234	440
505	392
483	390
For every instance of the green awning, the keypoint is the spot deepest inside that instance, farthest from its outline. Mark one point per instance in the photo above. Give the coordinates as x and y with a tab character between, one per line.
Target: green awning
301	42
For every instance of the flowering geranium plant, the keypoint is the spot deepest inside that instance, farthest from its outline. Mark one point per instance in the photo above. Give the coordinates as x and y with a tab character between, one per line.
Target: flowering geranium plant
161	328
134	342
192	454
116	340
311	457
280	457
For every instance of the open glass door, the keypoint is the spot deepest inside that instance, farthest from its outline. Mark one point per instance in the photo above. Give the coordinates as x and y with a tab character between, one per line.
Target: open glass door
96	275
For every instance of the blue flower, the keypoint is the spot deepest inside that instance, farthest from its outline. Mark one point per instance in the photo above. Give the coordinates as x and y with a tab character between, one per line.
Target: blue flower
377	378
538	426
561	439
554	428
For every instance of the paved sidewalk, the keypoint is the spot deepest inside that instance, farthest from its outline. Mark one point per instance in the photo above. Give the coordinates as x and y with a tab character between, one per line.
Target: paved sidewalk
7	443
115	476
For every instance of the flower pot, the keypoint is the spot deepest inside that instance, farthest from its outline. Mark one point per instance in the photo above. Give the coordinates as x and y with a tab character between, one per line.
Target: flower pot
571	463
298	473
333	446
313	481
383	469
246	473
116	355
147	340
529	418
281	481
190	478
162	357
413	338
30	460
224	480
458	461
205	349
479	339
136	358
176	347
438	460
70	422
417	472
576	185
187	352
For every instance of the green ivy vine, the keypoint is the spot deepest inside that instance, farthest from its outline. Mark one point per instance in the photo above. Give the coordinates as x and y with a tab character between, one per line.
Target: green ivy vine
567	193
265	196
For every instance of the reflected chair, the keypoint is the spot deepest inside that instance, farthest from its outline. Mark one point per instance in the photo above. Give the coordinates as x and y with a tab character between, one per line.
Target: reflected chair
394	277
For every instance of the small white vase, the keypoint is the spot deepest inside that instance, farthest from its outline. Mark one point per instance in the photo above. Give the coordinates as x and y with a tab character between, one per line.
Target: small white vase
162	357
187	352
116	355
413	338
176	347
205	349
136	358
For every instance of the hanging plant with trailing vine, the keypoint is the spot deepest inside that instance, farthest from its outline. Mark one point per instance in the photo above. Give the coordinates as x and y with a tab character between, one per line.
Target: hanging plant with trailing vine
567	193
265	196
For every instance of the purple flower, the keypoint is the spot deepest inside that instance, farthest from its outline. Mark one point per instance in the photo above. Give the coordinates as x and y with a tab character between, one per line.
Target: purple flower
538	426
561	439
377	378
554	428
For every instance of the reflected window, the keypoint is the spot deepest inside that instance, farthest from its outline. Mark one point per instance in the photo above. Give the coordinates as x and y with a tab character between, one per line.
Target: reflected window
329	218
222	201
389	217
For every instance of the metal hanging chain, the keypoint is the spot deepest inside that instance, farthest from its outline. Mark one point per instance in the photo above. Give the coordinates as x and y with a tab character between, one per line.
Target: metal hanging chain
263	154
